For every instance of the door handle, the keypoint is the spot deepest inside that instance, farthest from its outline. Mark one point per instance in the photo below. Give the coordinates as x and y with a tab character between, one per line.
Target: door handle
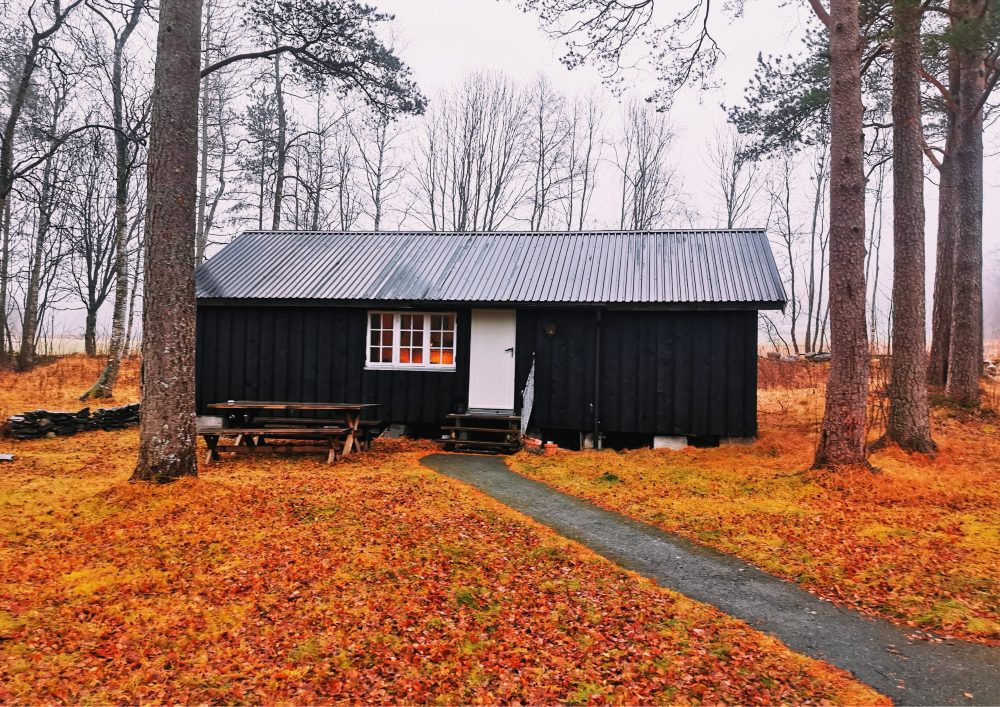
509	350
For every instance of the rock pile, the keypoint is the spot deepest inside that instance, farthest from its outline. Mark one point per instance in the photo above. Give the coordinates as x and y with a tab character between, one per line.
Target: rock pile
46	423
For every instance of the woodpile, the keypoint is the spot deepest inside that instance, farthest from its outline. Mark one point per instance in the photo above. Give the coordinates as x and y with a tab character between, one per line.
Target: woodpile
117	418
46	423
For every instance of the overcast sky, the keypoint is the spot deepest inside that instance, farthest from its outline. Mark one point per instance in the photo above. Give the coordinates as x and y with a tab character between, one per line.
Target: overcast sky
444	40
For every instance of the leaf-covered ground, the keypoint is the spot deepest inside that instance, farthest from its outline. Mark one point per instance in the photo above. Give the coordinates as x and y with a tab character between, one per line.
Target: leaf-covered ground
375	580
918	544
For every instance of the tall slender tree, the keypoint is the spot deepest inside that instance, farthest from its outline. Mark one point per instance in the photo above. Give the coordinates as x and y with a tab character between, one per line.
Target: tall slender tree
129	121
909	418
965	352
842	435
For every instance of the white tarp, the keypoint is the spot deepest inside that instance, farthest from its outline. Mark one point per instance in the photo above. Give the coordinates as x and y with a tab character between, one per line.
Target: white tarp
528	398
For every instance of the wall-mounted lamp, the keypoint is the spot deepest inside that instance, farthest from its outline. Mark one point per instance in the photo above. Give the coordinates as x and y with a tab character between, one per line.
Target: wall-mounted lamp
550	330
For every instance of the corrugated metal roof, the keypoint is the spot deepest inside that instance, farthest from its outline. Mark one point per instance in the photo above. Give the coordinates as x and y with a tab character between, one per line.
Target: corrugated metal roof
615	267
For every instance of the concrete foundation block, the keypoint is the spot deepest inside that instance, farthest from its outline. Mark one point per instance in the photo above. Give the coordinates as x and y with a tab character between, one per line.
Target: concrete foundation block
672	443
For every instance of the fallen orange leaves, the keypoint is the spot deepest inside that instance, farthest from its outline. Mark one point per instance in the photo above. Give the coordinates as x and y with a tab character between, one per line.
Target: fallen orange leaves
918	543
374	580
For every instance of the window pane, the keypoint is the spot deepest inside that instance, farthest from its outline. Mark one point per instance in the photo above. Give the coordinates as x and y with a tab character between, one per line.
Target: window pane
426	339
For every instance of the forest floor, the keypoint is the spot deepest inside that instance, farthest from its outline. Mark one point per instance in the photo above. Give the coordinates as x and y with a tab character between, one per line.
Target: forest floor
375	579
917	543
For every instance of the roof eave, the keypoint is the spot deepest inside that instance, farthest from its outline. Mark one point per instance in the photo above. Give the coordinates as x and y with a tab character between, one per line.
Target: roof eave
444	304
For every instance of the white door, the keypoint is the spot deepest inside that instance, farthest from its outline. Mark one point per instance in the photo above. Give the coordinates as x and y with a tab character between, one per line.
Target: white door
491	359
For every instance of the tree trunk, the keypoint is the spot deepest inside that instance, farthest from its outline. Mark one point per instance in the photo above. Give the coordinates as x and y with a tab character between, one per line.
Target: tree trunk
909	419
944	275
201	238
127	349
90	332
167	429
29	322
279	169
842	438
5	216
104	386
965	358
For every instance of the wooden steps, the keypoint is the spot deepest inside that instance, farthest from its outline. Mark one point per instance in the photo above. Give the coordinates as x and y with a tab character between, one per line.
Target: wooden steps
462	428
481	432
485	416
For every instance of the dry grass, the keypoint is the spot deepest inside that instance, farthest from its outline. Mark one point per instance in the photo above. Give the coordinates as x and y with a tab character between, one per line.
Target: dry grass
58	384
374	580
918	543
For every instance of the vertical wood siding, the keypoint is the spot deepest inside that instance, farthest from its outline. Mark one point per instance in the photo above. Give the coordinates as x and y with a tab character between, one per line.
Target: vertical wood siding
315	354
671	373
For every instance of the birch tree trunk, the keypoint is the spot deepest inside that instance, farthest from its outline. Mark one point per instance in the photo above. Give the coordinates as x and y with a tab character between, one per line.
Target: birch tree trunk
201	237
134	290
167	428
909	418
842	437
104	386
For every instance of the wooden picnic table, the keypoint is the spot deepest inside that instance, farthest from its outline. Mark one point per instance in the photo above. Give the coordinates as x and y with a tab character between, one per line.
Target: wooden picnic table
244	413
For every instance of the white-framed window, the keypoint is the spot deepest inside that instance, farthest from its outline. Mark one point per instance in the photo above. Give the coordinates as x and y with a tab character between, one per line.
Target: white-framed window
423	340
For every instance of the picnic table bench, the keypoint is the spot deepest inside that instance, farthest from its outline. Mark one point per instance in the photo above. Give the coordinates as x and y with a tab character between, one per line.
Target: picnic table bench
250	440
243	420
366	432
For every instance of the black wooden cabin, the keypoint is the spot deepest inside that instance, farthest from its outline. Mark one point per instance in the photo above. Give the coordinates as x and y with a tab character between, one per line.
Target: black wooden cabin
628	335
